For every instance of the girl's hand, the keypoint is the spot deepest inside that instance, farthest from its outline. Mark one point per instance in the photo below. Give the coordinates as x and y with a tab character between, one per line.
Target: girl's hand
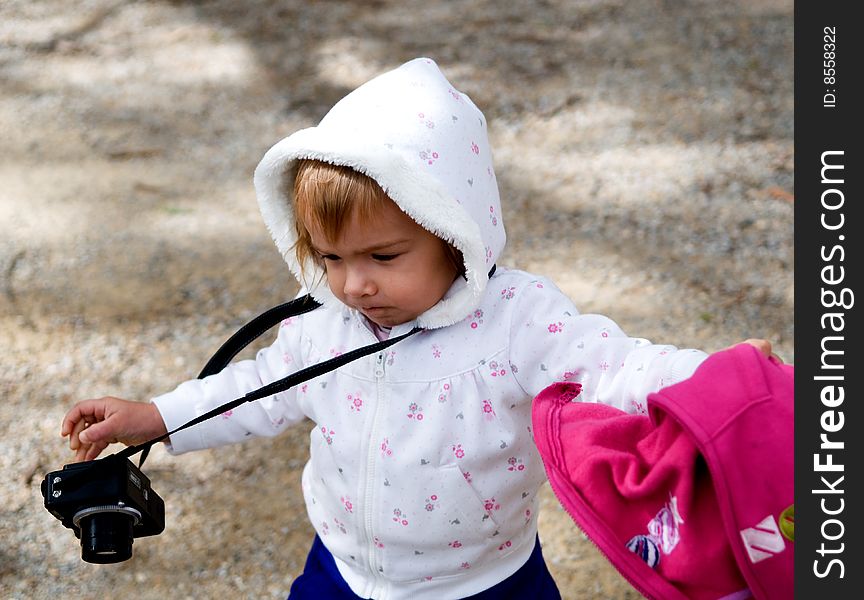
93	424
764	346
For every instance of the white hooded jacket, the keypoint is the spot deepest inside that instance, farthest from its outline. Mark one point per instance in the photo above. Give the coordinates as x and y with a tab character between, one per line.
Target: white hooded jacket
423	475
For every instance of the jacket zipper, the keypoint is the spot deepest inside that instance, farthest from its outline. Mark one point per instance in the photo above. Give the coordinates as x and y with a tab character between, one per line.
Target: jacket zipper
369	491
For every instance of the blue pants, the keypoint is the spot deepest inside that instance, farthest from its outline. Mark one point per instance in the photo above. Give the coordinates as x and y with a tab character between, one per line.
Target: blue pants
321	579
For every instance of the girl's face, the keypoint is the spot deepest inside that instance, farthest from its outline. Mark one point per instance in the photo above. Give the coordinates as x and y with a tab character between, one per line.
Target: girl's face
387	267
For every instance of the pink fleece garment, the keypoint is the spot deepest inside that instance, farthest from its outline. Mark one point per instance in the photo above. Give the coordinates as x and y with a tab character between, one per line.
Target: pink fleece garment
686	502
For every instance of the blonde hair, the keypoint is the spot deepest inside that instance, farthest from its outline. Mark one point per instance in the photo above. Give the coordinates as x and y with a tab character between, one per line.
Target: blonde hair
327	196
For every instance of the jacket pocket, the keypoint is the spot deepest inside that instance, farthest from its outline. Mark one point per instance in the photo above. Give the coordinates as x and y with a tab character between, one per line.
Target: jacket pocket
439	528
329	504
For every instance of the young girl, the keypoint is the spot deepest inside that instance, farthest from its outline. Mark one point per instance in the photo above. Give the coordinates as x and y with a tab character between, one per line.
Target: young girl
423	476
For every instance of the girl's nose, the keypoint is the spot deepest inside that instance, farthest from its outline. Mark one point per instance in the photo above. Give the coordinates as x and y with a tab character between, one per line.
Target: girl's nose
358	284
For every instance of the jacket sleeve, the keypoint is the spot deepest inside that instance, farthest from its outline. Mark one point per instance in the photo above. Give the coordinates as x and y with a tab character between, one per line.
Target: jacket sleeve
266	417
551	341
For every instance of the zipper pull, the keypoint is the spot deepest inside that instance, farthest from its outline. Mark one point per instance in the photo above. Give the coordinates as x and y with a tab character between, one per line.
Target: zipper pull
379	366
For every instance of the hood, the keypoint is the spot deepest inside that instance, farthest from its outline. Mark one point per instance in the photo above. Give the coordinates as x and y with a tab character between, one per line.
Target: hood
426	145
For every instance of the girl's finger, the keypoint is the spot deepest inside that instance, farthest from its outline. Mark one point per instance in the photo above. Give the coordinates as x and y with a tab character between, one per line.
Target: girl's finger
81	452
72	417
95	450
80	412
74	442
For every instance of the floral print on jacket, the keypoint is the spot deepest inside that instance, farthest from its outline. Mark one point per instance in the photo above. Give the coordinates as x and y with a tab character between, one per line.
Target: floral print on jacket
413	497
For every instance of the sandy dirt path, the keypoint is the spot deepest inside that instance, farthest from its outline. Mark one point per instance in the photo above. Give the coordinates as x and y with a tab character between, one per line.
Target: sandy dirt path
644	151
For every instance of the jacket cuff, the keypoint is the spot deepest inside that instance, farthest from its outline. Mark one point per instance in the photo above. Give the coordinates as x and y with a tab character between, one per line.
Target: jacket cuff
683	365
176	412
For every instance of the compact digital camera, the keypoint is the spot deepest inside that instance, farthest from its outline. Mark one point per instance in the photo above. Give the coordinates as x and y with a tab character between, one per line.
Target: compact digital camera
106	502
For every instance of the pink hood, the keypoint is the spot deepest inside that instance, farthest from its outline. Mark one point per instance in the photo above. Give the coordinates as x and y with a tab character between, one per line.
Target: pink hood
695	500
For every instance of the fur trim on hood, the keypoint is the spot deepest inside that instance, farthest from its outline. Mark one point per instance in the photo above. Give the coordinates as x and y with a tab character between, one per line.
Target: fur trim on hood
425	143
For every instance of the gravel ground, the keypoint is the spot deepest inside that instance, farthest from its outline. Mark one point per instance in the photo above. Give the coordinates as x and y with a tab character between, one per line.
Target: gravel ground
644	151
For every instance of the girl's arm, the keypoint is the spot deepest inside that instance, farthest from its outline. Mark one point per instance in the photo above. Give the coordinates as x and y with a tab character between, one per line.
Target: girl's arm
93	424
266	417
551	341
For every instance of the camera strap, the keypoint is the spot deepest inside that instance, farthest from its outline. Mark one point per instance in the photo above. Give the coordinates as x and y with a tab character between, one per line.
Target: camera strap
245	336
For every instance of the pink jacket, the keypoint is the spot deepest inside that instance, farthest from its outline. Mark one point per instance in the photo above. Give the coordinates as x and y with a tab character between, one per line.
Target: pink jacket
695	499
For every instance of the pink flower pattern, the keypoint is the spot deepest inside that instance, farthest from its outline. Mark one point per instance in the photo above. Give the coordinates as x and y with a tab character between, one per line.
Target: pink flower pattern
570	375
415	412
488	411
399	517
515	464
497	369
445	393
492	216
328	435
429	123
429	156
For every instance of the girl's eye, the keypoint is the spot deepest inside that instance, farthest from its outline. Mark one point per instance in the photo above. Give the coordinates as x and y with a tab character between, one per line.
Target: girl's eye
329	257
384	257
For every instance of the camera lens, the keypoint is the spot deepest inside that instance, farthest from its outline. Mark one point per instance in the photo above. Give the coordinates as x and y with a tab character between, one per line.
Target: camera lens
106	537
106	533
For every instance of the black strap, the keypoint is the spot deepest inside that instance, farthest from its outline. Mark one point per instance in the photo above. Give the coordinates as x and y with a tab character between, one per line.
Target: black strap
246	335
255	329
259	325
